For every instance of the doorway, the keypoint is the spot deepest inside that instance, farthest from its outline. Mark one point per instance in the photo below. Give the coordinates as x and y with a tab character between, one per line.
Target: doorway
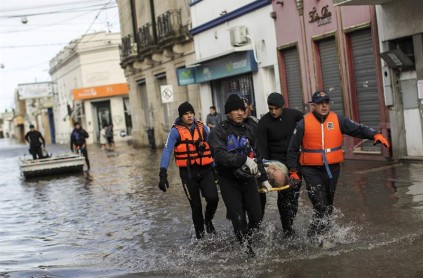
104	116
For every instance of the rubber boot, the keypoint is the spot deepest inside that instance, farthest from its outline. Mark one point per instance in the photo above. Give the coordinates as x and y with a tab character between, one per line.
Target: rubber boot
209	227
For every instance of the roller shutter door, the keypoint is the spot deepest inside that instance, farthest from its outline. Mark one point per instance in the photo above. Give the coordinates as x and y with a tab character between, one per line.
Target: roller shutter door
293	79
365	78
330	73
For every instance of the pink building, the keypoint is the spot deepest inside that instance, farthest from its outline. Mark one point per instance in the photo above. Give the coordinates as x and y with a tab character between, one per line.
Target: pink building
321	46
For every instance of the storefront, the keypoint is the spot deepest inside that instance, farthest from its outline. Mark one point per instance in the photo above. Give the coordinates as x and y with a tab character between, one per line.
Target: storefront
334	49
96	107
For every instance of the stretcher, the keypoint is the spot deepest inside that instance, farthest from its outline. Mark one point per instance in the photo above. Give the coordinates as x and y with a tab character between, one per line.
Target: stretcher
278	188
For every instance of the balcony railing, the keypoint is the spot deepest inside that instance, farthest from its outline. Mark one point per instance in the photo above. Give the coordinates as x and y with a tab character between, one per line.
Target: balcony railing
169	25
146	39
128	48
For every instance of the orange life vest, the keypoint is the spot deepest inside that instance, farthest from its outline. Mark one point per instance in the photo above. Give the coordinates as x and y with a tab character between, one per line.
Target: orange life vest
321	140
192	147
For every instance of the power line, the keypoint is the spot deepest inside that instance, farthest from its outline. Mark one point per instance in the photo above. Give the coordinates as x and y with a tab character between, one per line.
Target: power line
38	6
73	10
45	44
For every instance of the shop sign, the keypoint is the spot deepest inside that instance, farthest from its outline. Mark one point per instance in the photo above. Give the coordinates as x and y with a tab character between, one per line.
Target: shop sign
186	76
166	91
100	91
325	16
225	66
35	90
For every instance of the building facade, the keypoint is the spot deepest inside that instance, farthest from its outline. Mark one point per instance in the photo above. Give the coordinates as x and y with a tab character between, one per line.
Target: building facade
400	28
155	44
235	52
90	87
322	46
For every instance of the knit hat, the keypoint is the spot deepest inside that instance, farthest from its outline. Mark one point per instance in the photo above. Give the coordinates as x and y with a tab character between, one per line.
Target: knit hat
234	102
275	99
319	96
185	107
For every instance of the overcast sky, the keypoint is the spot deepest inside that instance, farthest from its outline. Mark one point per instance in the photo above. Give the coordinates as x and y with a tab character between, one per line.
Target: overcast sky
26	49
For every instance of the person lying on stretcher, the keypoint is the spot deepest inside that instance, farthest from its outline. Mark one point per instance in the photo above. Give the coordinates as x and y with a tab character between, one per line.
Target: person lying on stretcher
277	173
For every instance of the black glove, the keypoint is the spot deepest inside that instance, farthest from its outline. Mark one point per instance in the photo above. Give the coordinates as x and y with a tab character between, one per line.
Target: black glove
163	184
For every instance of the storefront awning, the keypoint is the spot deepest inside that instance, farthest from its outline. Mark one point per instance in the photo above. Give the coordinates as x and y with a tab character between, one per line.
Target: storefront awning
212	68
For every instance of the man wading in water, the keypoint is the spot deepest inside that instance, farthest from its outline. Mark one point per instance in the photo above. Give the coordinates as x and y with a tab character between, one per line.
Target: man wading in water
238	161
187	139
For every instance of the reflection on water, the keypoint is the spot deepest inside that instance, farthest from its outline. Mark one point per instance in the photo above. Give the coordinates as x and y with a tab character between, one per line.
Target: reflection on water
115	222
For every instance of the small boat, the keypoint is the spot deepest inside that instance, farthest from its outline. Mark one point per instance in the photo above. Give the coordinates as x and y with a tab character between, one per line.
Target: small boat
60	164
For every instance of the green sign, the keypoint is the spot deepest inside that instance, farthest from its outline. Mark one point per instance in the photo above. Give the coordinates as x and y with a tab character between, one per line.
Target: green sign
186	76
225	66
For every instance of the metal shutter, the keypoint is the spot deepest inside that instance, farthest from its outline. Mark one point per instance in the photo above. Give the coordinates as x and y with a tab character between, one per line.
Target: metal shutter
293	79
330	73
365	78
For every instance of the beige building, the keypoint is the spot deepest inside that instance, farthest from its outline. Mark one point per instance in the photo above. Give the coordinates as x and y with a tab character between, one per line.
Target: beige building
90	87
156	44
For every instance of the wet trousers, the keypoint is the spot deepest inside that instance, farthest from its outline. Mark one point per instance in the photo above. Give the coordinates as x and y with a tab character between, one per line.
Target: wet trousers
321	191
241	197
287	206
84	152
36	151
200	181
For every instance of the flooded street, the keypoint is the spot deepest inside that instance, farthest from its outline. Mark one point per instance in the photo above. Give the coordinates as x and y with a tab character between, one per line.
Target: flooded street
115	222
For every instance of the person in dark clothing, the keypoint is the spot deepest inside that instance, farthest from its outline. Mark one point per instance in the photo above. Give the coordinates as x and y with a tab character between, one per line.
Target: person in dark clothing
213	118
78	142
238	161
109	137
316	146
275	129
36	141
188	140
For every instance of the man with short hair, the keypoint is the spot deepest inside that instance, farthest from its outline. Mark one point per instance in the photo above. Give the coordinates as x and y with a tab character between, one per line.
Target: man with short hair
213	118
35	140
316	147
275	129
188	140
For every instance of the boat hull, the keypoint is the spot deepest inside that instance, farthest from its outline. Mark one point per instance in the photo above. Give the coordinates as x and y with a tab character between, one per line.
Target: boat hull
61	164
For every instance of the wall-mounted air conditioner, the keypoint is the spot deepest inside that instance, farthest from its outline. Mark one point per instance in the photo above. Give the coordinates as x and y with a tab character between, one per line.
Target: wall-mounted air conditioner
238	35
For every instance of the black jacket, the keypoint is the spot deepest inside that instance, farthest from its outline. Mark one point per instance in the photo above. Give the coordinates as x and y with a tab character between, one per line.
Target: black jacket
275	134
35	139
227	163
78	137
347	126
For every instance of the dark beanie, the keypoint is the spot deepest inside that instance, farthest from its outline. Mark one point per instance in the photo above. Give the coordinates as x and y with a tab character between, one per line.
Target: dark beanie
275	99
185	107
234	102
31	126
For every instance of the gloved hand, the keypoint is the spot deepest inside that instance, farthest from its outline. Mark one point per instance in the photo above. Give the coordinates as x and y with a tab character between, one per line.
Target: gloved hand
266	185
294	179
380	139
252	165
163	183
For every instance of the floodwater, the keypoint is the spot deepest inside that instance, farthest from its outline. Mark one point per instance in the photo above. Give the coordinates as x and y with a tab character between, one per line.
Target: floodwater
115	222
